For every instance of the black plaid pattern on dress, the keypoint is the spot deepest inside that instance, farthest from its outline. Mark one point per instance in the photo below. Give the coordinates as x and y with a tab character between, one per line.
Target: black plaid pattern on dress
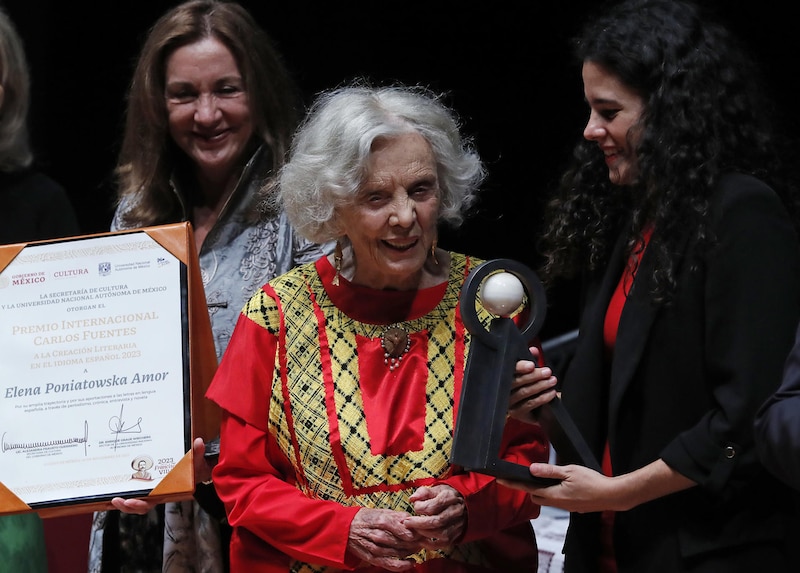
318	344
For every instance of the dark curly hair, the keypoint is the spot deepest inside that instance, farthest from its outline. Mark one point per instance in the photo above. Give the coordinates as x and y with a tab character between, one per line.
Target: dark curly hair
704	115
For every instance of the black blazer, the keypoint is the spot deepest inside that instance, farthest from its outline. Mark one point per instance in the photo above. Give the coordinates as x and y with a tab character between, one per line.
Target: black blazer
684	386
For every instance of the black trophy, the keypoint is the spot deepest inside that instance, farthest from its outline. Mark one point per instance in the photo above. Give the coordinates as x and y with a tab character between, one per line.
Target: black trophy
489	373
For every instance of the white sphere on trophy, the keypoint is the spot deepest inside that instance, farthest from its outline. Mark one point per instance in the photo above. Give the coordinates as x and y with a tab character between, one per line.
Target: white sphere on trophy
502	293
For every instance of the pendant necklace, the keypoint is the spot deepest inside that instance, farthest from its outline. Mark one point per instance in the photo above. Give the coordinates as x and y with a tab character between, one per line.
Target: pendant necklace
395	343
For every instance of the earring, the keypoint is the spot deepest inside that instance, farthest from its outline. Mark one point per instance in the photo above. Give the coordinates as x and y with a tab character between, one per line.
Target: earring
433	252
337	262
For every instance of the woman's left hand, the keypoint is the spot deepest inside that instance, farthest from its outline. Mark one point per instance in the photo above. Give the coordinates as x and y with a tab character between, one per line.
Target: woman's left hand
137	506
140	506
441	516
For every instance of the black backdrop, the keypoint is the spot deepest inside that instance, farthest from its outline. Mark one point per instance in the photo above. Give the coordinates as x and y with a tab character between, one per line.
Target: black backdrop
504	64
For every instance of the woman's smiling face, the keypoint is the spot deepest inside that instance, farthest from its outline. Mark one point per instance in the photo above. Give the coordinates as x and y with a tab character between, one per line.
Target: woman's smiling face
392	223
615	110
207	106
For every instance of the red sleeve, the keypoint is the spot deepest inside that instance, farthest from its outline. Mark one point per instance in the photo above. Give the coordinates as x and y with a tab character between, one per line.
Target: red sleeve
242	383
253	477
497	507
252	481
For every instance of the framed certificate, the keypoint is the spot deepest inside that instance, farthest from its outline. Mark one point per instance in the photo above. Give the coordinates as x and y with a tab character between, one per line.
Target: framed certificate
105	354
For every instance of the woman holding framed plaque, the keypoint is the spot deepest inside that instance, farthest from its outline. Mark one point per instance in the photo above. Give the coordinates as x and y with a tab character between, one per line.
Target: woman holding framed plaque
211	109
34	207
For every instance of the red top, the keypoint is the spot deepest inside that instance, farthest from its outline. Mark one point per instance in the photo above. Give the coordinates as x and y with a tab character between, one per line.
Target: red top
607	559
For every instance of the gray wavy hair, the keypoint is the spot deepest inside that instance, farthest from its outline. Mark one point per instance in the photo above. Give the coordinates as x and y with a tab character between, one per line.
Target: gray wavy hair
331	148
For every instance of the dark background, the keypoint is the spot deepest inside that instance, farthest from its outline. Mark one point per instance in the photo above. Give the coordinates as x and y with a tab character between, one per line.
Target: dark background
505	66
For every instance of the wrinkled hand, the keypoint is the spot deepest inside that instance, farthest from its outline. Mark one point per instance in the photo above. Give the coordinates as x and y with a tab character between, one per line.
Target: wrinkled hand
532	387
380	538
441	516
140	506
581	489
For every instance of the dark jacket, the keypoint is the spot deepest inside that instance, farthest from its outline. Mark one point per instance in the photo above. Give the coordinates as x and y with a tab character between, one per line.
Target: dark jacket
778	424
684	386
33	207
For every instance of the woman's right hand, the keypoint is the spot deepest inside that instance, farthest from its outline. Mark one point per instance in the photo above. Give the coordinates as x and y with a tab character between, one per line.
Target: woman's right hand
533	386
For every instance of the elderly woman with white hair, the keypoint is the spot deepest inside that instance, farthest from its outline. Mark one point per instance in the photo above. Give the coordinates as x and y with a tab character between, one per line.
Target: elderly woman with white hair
340	385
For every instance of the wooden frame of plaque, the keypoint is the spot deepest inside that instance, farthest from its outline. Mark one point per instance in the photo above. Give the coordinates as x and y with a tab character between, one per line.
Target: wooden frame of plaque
105	355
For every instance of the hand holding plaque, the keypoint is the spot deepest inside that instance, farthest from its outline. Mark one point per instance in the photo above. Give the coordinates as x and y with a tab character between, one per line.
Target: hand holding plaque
503	286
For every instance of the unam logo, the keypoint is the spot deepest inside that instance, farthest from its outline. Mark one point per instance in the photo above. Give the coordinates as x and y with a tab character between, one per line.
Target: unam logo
104	269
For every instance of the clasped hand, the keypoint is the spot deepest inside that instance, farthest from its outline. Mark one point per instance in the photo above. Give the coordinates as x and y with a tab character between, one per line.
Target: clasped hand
385	538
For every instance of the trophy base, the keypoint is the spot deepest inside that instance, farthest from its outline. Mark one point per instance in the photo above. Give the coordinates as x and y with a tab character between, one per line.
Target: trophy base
516	472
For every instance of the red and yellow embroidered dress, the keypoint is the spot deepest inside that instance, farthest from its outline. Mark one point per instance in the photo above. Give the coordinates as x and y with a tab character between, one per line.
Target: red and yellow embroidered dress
316	426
